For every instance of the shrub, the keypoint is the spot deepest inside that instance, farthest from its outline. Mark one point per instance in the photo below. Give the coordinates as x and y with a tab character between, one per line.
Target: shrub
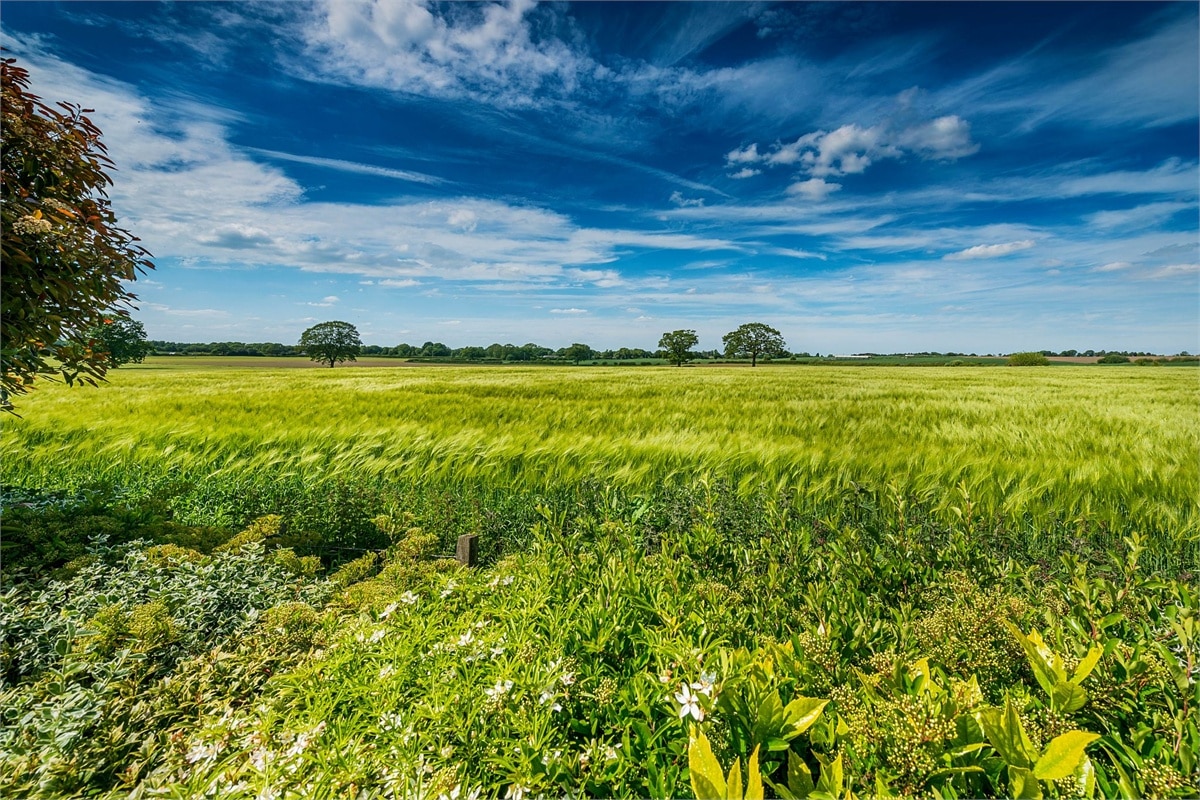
1114	358
1031	359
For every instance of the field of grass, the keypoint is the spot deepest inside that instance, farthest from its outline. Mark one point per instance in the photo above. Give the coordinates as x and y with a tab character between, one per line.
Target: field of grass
844	582
1110	447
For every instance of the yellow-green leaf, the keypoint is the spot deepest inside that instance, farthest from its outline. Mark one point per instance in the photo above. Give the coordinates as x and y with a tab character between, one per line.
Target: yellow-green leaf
754	784
1023	784
1088	664
802	713
1063	754
708	782
733	784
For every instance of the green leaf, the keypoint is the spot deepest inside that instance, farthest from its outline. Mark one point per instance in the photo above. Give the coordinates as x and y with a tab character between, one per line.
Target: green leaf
1063	755
733	784
1085	778
831	776
1088	664
1068	697
799	777
754	784
708	782
1023	785
800	714
1003	730
1038	657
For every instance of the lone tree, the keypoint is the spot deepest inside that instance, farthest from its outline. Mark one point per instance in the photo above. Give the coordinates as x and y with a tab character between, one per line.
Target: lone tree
678	345
577	352
65	260
754	339
121	340
331	341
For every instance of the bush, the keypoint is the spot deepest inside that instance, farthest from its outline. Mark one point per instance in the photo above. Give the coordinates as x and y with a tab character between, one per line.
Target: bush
1028	360
1114	358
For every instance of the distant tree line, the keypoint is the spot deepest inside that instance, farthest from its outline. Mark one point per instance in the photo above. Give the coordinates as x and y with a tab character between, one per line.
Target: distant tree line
428	350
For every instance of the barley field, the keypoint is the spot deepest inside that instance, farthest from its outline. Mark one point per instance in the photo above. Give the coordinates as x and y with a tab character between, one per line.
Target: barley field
1118	447
839	582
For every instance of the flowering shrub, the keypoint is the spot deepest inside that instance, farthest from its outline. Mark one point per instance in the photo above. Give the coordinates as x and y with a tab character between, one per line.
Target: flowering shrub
875	661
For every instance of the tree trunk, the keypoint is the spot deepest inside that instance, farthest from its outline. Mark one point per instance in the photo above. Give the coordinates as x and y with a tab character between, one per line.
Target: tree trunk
331	363
754	359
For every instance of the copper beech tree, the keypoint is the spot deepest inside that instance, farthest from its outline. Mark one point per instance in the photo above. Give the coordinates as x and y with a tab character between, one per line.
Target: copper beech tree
66	264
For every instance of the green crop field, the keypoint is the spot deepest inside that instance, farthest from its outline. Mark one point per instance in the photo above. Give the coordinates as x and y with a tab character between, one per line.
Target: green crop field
846	581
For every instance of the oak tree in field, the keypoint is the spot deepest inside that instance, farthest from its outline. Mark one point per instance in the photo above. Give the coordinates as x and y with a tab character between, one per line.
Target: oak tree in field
754	339
678	345
65	261
331	342
577	352
121	340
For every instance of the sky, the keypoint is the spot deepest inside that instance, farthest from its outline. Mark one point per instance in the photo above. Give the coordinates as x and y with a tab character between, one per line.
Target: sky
889	177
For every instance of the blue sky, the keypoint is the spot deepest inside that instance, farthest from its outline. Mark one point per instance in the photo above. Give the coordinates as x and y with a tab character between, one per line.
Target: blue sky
977	177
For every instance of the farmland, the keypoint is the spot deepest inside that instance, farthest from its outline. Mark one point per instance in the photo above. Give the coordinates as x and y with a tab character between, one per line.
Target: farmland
234	580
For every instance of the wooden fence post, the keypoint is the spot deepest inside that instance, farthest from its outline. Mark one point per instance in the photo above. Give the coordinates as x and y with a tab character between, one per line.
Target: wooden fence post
468	549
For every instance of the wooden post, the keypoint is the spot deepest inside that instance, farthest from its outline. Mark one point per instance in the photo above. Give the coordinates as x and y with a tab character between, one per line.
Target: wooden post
468	549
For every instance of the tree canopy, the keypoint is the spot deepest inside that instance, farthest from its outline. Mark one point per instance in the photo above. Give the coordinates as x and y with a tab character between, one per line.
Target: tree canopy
577	352
121	340
754	339
678	345
65	260
333	341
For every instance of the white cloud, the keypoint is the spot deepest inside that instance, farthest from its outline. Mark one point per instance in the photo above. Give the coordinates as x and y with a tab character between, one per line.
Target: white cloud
683	202
816	189
945	138
399	284
746	155
745	172
1141	216
351	166
990	250
1174	270
463	218
850	149
483	51
568	311
326	302
1113	266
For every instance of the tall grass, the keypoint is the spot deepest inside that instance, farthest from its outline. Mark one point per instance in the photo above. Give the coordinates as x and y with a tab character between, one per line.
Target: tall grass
1104	447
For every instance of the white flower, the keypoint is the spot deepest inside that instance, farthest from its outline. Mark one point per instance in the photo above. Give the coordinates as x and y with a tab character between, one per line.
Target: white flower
449	590
499	690
387	612
465	639
610	753
516	792
377	635
497	651
689	703
705	685
506	580
408	598
260	758
386	671
567	678
30	224
546	697
203	752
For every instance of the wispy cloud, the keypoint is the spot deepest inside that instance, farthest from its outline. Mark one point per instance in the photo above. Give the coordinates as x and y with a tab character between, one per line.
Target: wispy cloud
351	166
990	250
